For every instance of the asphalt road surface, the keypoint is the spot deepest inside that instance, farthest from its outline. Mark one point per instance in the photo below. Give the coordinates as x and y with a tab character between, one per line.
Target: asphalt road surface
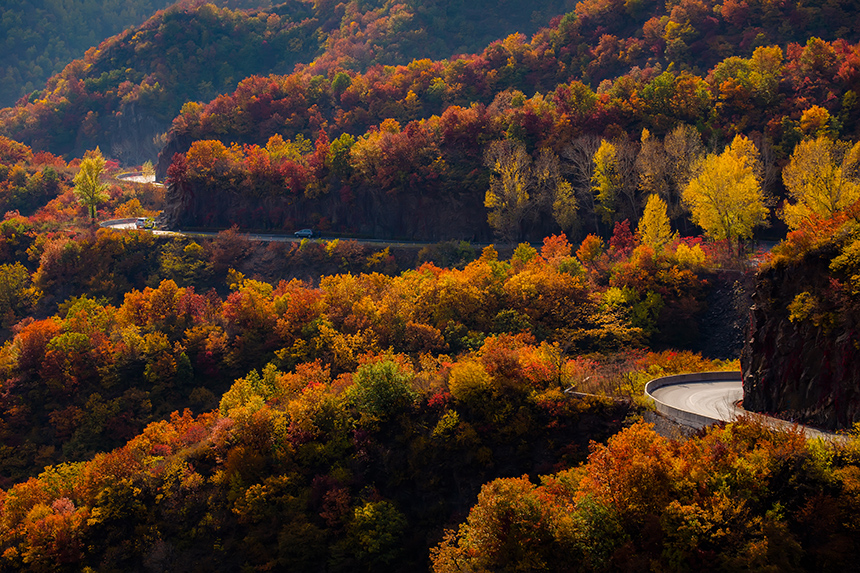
283	238
137	177
718	399
712	399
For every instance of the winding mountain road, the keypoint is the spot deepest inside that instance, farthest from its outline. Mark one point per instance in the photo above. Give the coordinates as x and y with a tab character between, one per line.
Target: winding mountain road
705	398
694	400
712	399
129	225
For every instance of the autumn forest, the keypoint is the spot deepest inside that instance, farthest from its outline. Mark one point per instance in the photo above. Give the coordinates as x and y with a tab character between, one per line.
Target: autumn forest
521	214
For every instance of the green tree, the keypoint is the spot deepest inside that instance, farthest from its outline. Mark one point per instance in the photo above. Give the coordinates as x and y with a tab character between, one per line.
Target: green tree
17	295
338	154
823	177
766	68
185	264
380	389
725	197
89	189
564	207
375	534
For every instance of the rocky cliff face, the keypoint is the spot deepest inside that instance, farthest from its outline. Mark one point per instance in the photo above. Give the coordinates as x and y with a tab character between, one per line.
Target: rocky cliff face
801	359
134	135
722	325
131	136
175	144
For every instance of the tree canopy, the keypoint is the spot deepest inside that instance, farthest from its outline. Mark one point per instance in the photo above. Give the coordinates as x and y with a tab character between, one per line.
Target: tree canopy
89	188
823	177
725	197
654	227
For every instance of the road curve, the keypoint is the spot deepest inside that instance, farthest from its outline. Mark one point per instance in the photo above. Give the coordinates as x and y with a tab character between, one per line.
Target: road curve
714	399
138	177
705	398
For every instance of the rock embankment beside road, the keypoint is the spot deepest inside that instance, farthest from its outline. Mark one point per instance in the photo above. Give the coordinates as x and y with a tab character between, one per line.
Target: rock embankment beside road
801	361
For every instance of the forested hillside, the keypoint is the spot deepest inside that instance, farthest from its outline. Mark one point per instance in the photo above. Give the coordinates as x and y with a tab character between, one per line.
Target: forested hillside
42	37
426	178
734	499
119	354
800	360
357	416
124	91
208	402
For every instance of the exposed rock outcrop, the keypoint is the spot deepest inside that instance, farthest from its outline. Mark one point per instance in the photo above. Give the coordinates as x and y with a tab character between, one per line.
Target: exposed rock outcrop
722	325
801	360
134	135
175	144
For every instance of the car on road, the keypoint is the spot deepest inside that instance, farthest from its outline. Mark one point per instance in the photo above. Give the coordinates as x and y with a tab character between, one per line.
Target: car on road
304	233
144	223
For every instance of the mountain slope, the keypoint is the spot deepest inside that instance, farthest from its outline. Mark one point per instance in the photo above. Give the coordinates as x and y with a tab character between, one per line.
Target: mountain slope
400	151
42	37
123	93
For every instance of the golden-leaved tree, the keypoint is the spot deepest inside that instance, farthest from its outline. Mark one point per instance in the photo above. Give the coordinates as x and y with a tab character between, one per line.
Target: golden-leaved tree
520	187
823	177
508	198
725	197
613	183
89	189
654	227
606	181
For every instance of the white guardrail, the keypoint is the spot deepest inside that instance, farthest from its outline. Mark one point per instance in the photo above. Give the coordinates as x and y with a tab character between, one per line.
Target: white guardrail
686	417
112	222
728	411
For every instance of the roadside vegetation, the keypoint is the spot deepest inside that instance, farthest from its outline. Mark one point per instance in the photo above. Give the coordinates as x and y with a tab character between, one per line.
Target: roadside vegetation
182	403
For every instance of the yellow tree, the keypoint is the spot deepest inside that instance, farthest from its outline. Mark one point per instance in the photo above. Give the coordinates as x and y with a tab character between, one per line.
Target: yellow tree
606	180
654	227
520	187
613	181
508	198
89	189
564	207
823	177
725	197
816	122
